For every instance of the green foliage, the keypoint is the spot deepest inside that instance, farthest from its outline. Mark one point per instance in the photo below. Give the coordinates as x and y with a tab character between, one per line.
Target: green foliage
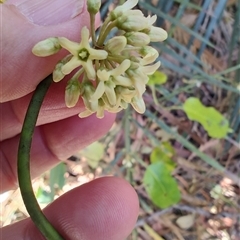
157	78
213	122
94	153
163	153
160	185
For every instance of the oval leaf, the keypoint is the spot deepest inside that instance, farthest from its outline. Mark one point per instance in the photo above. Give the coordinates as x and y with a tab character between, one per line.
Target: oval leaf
161	187
213	121
157	78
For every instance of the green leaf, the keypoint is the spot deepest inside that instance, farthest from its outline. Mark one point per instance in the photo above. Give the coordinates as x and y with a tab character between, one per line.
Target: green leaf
161	187
94	153
213	121
163	153
57	179
157	78
43	196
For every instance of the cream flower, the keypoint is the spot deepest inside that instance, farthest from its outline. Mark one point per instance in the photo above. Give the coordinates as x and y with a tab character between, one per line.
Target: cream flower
108	81
83	54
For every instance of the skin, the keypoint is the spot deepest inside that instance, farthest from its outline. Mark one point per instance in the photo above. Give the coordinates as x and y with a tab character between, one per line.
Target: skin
105	208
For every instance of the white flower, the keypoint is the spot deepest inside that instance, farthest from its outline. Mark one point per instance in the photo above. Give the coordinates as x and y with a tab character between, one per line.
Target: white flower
108	81
72	92
83	54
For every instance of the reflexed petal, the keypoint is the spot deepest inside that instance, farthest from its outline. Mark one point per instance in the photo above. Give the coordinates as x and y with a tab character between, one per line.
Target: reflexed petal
98	92
152	19
103	75
89	69
121	68
71	65
97	54
109	90
139	86
138	104
151	55
123	81
85	113
149	70
84	38
72	47
157	34
129	4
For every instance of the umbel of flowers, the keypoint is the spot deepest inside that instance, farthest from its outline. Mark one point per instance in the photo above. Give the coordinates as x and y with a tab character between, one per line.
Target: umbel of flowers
111	73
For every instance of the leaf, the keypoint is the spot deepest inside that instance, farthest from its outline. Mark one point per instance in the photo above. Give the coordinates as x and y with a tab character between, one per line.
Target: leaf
213	121
161	187
43	196
57	178
157	78
163	153
94	153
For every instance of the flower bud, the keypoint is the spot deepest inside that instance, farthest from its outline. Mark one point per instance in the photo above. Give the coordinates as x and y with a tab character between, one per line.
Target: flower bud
46	47
93	6
116	44
157	34
137	39
58	75
132	22
72	92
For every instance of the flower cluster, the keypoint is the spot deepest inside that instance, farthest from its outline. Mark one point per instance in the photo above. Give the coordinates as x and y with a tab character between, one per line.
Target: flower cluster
110	73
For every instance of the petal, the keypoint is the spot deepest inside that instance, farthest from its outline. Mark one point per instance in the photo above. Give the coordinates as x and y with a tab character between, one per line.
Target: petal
97	54
99	91
103	75
72	47
84	38
111	95
89	69
85	113
71	65
149	70
121	68
123	81
138	104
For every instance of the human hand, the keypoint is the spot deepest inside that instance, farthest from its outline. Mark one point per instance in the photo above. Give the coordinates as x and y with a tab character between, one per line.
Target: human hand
103	209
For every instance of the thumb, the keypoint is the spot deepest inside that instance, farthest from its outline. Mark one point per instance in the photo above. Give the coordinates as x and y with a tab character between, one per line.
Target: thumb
105	208
24	24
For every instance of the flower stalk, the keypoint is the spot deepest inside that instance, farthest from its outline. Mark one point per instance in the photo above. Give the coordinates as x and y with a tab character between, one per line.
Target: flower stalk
110	75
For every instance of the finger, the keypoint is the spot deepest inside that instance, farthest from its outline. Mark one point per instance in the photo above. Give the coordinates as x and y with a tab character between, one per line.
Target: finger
53	109
51	142
105	208
20	35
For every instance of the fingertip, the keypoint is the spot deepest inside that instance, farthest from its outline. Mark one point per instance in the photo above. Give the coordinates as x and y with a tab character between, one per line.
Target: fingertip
106	208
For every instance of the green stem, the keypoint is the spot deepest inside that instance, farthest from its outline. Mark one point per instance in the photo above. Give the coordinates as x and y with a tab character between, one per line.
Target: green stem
24	177
105	33
92	20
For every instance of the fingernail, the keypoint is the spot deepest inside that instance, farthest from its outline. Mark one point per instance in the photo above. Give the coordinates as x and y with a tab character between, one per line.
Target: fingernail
49	12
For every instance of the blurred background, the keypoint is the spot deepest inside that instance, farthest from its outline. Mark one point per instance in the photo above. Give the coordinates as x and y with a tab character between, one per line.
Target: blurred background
183	154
